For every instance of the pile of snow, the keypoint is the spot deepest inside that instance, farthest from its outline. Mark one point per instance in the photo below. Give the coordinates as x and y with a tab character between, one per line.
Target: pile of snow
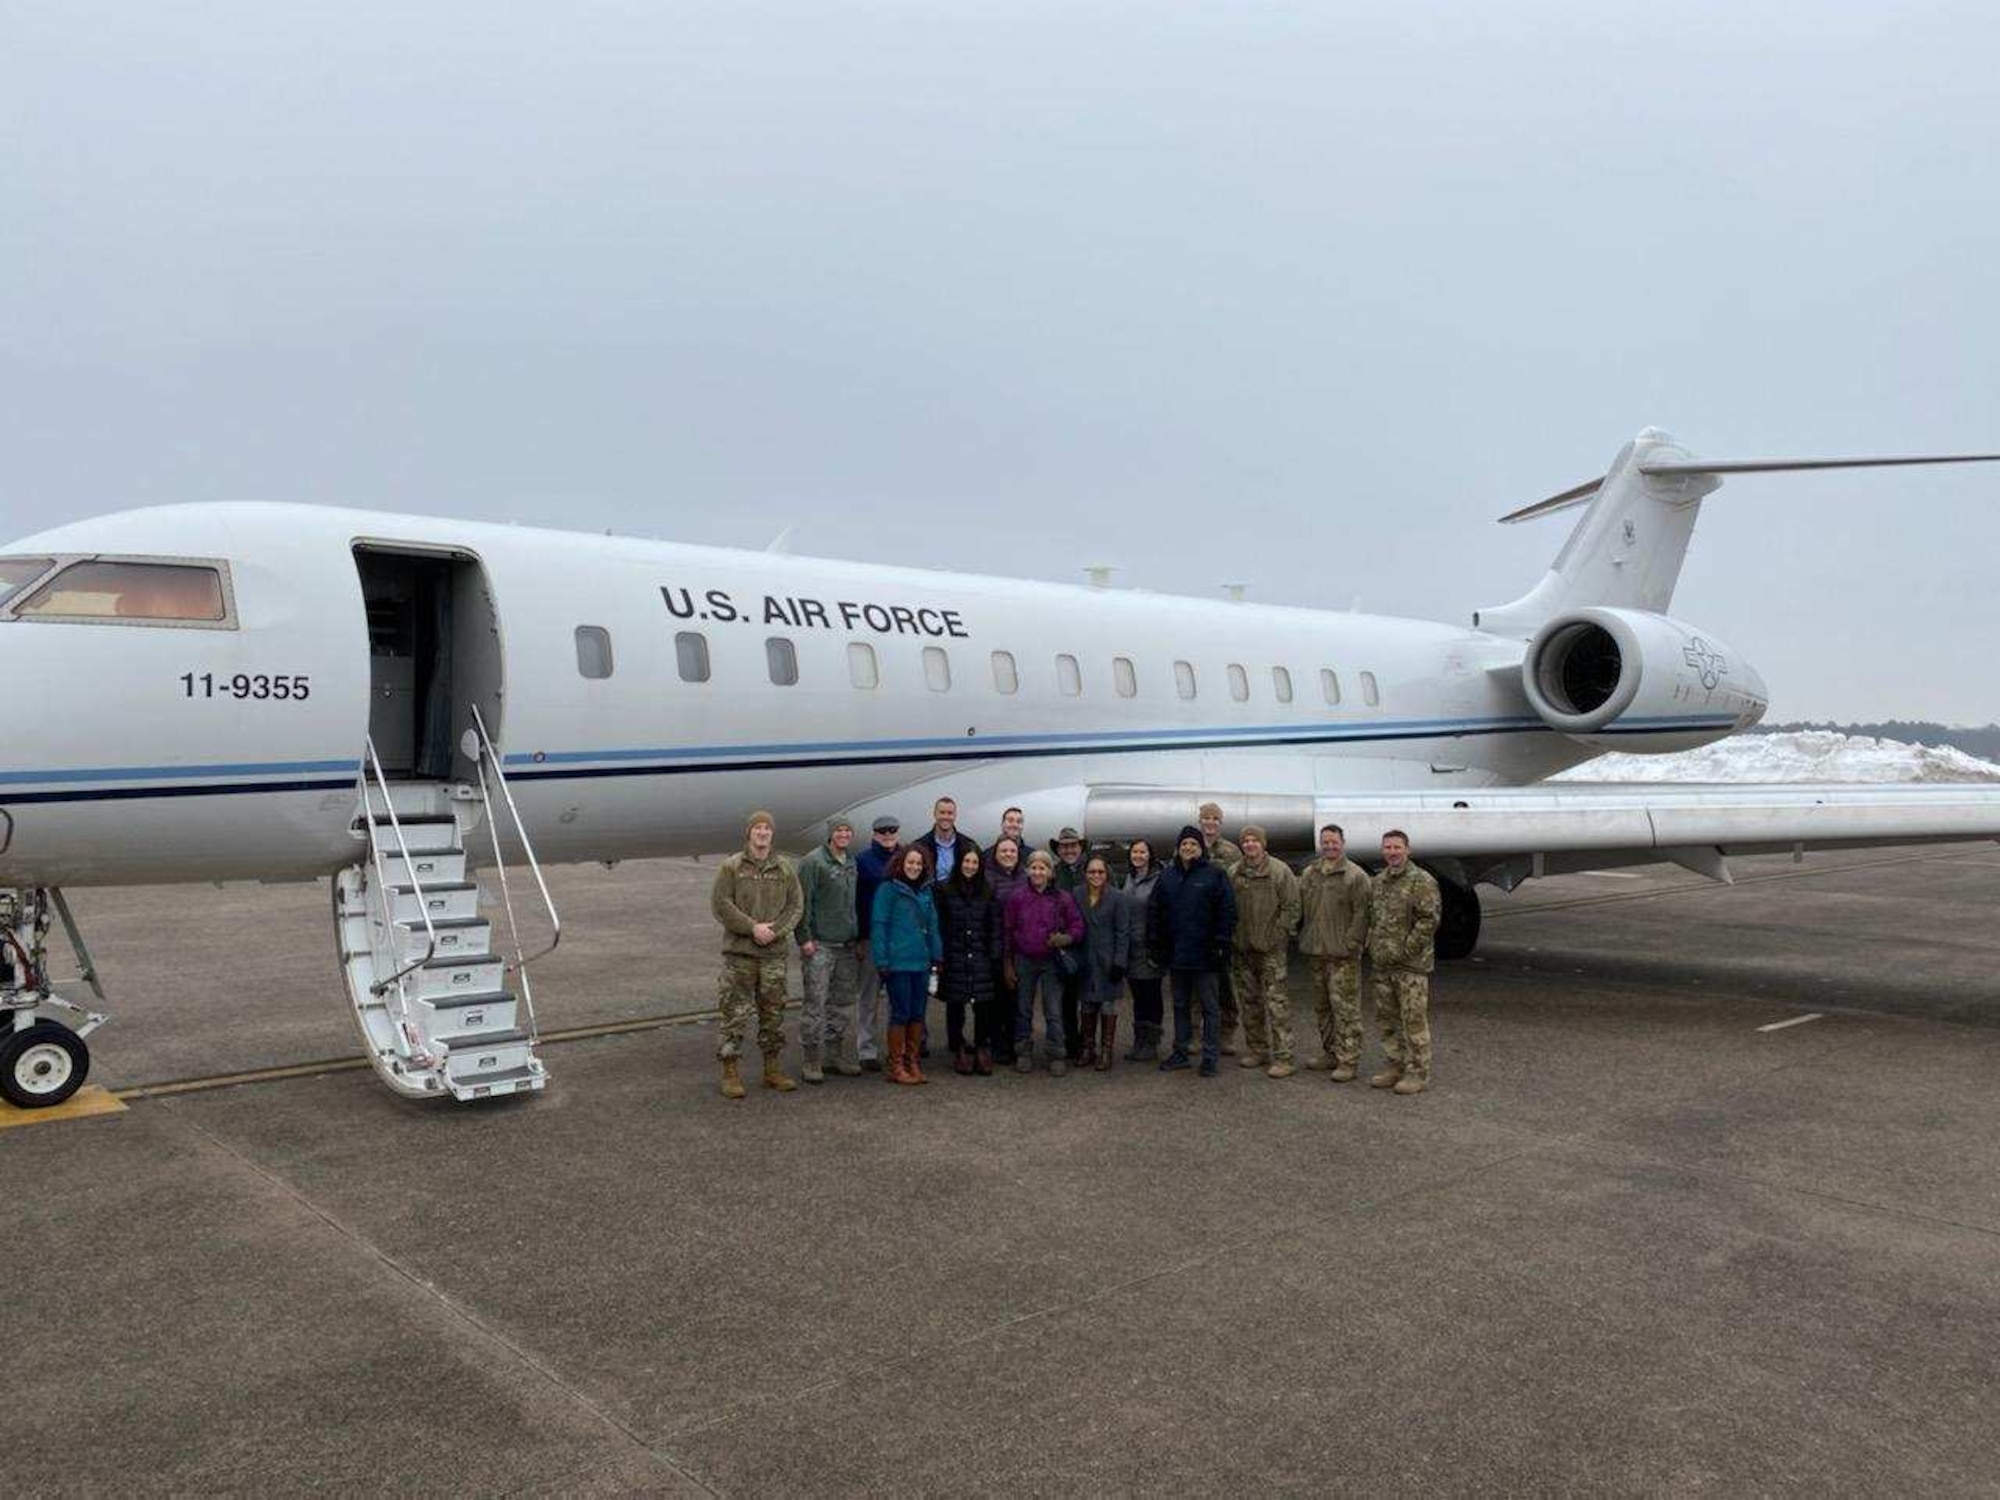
1805	755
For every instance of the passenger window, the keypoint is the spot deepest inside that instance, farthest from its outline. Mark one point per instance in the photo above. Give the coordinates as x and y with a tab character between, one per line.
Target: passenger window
937	669
1069	676
1124	677
593	651
130	591
16	573
861	668
1329	685
1184	678
1281	684
1369	695
1006	677
781	659
1239	683
691	652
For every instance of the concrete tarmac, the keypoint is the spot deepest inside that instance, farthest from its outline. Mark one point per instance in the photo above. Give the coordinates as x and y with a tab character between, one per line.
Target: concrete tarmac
1629	1241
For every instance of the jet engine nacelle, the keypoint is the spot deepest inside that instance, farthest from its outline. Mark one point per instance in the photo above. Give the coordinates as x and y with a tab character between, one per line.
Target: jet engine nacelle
1628	679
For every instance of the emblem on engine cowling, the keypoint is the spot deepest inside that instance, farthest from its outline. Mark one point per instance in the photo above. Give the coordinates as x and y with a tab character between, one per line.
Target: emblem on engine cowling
1709	664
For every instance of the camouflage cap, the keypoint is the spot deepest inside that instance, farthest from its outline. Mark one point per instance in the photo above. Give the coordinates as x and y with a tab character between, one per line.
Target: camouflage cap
1209	810
1252	831
760	816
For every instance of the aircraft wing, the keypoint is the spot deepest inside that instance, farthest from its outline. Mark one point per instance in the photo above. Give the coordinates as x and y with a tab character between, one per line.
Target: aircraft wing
1507	834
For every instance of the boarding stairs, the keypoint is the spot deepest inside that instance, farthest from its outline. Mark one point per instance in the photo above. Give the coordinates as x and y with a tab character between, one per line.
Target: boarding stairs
440	1011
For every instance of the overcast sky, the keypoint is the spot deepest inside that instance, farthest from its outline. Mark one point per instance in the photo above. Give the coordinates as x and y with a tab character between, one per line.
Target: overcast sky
1303	295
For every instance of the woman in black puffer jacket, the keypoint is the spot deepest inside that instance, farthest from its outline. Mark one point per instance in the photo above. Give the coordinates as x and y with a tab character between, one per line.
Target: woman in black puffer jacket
969	918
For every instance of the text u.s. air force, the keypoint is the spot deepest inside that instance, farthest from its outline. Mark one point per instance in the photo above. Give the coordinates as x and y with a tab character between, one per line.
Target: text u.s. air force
853	615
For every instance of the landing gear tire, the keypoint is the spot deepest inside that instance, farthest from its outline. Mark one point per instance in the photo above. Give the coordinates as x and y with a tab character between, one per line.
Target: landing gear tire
1458	924
42	1065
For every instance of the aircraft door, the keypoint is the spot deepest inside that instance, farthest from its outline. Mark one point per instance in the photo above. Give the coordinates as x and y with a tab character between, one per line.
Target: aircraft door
434	654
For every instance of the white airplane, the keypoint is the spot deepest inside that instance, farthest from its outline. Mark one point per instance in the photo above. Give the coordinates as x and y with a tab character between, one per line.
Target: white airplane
281	692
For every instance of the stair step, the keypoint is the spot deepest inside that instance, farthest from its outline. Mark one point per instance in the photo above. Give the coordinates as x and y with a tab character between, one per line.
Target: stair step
457	938
454	899
460	1002
500	1081
484	1041
442	867
425	835
458	974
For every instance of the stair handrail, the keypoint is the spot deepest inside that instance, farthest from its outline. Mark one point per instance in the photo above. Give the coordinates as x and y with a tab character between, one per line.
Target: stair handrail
489	754
373	762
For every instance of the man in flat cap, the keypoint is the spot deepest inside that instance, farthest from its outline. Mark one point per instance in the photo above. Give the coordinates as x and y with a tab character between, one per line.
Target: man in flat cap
756	899
829	928
871	868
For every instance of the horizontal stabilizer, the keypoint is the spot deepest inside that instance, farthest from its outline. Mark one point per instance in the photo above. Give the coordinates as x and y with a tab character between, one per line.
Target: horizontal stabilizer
1554	503
1578	494
1783	465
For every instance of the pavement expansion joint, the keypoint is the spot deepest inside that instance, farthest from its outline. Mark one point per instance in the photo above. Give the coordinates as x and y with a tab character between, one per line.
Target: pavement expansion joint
450	1308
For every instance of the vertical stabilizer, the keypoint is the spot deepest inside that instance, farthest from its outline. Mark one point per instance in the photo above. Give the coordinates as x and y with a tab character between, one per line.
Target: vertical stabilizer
1627	549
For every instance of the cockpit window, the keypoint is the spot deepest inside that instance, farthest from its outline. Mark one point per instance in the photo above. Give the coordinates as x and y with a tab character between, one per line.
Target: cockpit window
16	573
178	593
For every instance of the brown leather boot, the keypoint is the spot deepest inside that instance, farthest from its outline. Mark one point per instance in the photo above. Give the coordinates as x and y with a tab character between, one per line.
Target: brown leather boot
1087	1058
732	1079
774	1075
961	1062
892	1055
1107	1042
913	1046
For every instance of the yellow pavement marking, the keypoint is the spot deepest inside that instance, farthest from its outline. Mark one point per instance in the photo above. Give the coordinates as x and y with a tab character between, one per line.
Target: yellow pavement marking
85	1102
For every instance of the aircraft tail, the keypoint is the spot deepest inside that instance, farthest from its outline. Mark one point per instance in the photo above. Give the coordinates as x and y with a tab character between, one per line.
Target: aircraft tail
1627	549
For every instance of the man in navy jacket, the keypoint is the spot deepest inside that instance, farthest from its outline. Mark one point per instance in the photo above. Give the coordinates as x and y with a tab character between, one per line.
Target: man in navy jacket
1191	922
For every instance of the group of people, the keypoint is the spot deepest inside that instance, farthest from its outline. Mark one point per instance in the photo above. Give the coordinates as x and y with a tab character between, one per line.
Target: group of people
1001	934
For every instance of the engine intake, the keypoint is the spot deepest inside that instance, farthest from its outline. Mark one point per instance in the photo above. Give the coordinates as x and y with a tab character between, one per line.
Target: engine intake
1632	680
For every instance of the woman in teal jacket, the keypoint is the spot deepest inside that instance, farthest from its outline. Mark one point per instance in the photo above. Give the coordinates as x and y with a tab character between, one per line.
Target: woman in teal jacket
905	947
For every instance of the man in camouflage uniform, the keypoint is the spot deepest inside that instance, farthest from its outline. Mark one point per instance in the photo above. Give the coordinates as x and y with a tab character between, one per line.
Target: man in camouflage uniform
1333	924
757	901
1403	911
1267	914
1224	856
829	926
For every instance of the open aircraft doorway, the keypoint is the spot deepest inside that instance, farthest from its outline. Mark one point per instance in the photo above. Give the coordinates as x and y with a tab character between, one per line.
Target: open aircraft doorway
434	654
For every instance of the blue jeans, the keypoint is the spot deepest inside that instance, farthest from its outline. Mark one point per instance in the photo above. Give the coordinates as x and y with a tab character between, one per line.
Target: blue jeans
1038	976
1191	985
909	997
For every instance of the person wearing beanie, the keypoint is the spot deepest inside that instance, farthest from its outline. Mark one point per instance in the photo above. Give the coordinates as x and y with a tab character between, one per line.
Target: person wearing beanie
1267	914
828	937
757	900
1190	923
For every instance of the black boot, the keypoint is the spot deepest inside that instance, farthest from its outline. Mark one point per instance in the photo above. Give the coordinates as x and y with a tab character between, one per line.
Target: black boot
1145	1044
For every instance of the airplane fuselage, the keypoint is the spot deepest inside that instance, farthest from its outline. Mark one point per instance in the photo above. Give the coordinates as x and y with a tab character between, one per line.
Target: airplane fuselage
647	694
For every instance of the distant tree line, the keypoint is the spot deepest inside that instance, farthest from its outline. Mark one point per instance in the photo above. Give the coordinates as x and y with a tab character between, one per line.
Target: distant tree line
1983	741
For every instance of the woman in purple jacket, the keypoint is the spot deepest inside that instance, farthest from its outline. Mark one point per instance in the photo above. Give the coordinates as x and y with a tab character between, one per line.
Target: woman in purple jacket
1040	922
1007	874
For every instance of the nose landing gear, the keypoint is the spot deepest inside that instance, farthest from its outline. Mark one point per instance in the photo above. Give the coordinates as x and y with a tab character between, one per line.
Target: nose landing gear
42	1060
